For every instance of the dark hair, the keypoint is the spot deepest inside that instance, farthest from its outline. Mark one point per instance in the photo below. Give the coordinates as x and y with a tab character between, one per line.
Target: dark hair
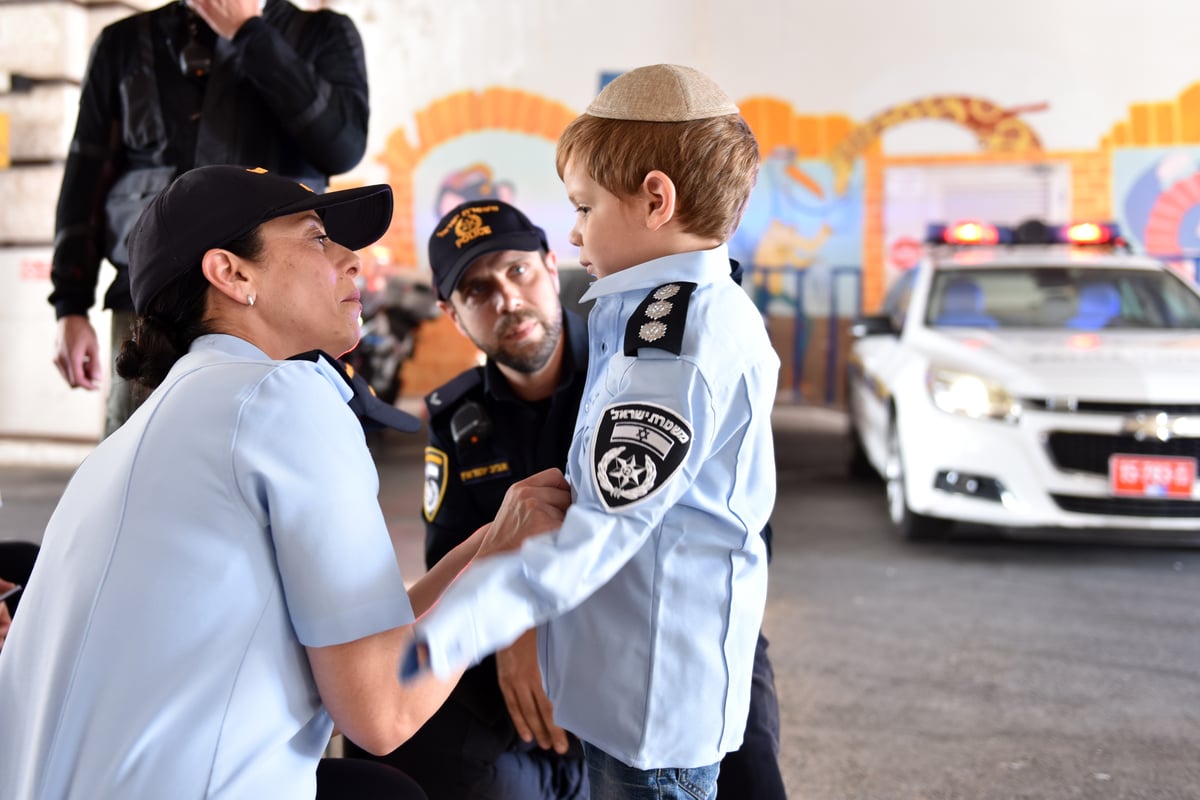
173	320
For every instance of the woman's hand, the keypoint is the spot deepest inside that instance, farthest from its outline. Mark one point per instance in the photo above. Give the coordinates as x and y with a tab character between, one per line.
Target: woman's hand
531	506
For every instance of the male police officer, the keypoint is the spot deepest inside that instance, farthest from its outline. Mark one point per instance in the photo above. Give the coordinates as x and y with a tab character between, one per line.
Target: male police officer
498	280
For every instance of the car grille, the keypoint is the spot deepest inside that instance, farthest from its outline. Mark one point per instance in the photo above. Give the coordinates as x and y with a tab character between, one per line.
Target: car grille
1128	506
1089	452
1101	407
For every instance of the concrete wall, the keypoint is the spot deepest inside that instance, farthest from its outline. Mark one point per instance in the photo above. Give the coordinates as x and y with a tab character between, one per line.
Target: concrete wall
48	41
1088	62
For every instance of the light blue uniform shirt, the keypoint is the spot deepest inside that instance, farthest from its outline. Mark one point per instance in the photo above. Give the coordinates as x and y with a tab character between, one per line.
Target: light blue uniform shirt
653	589
160	646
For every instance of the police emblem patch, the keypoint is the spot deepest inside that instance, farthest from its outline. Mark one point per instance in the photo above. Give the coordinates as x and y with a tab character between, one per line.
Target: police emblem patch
435	481
637	448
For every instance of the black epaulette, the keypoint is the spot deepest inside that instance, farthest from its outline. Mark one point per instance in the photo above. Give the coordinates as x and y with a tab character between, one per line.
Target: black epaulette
659	320
448	394
372	412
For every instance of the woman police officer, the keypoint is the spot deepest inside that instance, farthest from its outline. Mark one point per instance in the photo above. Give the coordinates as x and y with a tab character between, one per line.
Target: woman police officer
217	587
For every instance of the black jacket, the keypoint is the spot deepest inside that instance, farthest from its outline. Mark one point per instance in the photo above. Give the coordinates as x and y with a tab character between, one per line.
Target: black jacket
288	93
466	482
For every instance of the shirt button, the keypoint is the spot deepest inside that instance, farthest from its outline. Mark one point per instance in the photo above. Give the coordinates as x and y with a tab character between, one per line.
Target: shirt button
604	347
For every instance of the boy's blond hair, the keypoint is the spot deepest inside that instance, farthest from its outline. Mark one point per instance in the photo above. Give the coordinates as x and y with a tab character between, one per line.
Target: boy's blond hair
676	120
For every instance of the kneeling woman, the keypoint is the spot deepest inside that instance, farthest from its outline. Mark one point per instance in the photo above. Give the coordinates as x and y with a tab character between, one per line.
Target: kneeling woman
217	587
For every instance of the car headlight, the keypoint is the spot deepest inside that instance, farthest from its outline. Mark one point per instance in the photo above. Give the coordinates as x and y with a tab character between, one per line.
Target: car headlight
970	395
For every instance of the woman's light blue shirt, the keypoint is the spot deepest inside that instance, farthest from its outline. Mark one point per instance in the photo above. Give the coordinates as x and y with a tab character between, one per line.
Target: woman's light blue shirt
160	646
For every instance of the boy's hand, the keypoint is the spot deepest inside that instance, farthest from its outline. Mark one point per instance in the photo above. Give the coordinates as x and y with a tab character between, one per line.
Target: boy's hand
521	683
531	506
225	17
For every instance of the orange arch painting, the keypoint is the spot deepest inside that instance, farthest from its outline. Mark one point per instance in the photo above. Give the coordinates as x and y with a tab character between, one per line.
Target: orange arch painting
841	141
448	118
998	130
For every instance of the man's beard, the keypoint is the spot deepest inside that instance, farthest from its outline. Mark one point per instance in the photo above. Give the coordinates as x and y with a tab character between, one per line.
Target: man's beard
526	358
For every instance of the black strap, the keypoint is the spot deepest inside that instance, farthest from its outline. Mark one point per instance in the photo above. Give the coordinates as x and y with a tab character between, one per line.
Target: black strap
372	412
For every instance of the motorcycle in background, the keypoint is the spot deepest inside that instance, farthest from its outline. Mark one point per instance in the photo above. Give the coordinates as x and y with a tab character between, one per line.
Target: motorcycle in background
391	316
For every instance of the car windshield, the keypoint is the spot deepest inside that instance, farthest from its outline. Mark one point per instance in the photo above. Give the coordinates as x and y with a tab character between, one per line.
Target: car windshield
1078	298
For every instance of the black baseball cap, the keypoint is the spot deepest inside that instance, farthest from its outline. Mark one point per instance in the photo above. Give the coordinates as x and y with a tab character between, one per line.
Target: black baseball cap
473	229
212	206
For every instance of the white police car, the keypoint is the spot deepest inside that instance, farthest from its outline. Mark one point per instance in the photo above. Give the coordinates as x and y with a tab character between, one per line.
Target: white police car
1029	378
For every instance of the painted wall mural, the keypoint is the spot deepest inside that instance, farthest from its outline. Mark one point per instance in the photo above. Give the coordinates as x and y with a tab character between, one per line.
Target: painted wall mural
1158	202
811	236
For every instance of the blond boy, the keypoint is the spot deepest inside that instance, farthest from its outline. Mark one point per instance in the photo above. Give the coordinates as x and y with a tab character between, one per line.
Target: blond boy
652	591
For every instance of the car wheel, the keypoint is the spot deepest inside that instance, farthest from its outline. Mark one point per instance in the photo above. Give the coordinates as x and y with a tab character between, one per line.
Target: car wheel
907	524
859	466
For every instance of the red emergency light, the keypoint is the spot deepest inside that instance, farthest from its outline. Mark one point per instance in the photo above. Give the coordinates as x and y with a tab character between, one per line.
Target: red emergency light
1089	233
971	233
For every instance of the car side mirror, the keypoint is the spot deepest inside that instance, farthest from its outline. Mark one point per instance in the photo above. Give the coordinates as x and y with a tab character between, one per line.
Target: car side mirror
872	326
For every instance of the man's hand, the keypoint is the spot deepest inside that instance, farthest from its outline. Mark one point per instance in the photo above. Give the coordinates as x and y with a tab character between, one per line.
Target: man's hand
531	506
521	683
226	17
77	352
6	618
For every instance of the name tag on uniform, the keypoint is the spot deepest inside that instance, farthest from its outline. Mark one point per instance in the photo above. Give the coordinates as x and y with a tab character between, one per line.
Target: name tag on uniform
487	471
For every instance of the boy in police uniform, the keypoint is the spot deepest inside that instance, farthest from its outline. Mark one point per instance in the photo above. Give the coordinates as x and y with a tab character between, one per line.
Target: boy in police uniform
497	278
652	591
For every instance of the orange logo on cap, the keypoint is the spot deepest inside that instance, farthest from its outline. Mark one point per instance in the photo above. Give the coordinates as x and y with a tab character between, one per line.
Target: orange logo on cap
467	225
263	171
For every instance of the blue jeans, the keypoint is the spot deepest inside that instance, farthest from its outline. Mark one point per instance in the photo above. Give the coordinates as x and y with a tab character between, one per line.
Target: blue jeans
610	779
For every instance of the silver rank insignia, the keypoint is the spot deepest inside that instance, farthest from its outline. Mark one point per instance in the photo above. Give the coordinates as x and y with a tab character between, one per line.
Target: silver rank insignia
659	320
658	309
637	449
653	331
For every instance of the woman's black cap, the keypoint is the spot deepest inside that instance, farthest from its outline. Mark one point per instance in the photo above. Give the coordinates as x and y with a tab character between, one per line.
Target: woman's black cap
212	206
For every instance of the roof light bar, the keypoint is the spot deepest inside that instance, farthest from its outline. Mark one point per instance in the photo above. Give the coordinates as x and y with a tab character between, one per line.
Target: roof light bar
1088	233
971	233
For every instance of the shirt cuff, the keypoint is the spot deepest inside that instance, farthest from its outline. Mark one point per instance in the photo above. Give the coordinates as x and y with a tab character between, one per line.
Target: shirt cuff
411	665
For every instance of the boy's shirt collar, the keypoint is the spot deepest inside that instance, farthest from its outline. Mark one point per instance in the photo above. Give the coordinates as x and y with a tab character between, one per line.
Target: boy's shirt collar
697	266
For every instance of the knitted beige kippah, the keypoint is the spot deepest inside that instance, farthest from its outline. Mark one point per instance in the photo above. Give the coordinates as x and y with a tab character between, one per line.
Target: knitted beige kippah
662	93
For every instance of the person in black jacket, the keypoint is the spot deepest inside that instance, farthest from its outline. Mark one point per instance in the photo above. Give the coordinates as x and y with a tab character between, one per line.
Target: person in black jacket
244	82
498	280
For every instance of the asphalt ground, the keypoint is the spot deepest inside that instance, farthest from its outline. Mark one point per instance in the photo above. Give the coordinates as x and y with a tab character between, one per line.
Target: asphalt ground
979	668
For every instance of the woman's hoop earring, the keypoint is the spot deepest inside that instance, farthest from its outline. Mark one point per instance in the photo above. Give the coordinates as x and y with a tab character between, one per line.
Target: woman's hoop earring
250	300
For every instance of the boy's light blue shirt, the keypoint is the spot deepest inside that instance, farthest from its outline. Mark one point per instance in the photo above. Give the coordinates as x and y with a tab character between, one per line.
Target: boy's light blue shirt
653	589
160	649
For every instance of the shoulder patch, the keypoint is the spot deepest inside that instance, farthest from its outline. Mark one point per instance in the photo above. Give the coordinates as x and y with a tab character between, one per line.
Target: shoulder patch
658	322
447	395
636	450
436	463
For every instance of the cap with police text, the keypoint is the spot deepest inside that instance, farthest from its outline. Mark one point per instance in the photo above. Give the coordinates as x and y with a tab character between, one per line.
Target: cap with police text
212	206
662	93
473	229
